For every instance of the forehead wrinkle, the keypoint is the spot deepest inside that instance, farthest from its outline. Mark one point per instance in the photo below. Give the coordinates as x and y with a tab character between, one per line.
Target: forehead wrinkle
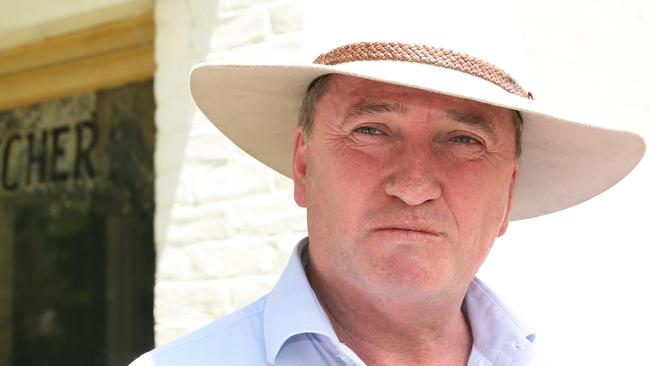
362	108
474	120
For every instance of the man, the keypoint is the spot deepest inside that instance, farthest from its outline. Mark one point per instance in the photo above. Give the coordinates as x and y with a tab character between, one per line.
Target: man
410	160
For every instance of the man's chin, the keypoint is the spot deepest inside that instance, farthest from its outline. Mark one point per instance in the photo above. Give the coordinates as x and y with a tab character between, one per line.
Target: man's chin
409	276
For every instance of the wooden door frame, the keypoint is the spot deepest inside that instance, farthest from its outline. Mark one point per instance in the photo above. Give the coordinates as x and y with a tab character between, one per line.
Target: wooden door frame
6	283
104	56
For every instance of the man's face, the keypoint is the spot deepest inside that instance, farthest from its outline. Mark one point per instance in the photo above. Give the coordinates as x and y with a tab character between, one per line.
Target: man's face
405	190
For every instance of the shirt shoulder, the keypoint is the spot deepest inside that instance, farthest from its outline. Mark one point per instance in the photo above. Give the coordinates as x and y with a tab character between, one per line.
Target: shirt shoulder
236	339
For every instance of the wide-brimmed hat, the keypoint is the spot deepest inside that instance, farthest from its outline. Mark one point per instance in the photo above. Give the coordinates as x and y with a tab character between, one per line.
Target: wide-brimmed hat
562	162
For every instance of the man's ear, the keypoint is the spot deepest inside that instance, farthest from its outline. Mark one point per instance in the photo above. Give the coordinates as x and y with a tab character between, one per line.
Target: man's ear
506	217
299	168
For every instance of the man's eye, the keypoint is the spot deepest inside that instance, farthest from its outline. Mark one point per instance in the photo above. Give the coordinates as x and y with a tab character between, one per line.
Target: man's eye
464	139
369	131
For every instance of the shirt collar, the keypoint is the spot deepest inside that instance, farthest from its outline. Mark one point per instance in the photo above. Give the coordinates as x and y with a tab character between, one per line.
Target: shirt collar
292	307
496	332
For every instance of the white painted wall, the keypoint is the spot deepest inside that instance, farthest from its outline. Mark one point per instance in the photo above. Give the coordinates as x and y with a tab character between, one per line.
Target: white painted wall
225	224
580	275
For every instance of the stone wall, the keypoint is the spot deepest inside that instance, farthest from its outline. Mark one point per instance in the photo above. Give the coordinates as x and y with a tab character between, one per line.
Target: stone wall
577	273
225	224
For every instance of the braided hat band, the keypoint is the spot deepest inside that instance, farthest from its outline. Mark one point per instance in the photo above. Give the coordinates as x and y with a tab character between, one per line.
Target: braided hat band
393	51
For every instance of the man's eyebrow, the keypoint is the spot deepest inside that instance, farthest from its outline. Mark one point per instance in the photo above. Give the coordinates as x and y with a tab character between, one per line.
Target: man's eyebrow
362	108
475	120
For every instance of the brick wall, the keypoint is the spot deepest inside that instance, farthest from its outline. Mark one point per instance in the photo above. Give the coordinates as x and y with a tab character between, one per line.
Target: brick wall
225	224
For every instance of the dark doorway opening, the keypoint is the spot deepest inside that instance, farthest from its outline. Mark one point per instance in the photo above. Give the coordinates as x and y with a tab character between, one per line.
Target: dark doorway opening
76	229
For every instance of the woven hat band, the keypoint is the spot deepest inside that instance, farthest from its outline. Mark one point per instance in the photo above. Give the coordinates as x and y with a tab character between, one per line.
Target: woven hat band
392	51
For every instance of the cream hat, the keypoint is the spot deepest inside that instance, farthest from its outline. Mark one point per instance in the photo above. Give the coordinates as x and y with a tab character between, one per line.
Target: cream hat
562	163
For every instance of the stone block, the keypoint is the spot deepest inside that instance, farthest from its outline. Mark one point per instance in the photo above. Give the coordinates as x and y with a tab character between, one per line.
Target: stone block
201	126
286	18
247	289
203	10
247	28
230	6
281	48
180	299
281	183
192	224
171	13
212	184
267	214
172	49
207	146
174	265
232	258
182	307
284	244
206	143
169	330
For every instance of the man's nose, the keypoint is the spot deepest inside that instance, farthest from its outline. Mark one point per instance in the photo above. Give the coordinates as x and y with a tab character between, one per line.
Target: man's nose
415	177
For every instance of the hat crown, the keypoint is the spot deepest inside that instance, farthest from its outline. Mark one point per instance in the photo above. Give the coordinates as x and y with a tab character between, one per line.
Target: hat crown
423	54
457	26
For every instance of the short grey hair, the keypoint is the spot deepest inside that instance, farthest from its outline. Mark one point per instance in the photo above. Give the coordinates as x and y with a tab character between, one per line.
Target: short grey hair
318	87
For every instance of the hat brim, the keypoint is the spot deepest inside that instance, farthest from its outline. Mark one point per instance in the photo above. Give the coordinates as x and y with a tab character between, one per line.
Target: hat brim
562	164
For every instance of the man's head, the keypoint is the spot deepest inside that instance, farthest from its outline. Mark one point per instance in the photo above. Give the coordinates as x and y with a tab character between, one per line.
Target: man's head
405	189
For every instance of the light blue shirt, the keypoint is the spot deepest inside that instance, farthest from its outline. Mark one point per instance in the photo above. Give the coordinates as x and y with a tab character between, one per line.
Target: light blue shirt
288	327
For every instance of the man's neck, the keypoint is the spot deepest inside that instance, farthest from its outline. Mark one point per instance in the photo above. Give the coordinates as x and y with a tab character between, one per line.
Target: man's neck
393	331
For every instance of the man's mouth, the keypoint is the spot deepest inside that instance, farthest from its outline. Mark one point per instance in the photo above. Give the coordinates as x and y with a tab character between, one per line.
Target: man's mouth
409	233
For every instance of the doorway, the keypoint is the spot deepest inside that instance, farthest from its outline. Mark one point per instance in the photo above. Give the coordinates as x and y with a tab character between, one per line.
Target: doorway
76	229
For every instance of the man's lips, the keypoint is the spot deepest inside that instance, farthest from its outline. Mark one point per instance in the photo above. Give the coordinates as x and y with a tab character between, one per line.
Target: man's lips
417	225
409	232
